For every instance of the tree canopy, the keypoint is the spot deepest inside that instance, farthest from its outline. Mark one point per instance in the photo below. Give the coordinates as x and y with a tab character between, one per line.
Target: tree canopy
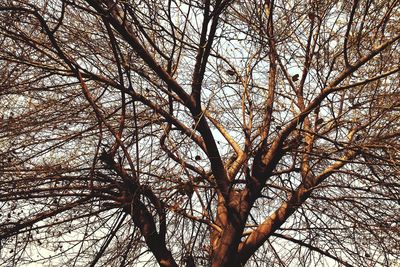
199	133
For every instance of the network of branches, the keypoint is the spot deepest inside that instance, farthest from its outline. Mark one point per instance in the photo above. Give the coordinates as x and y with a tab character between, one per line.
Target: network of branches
199	133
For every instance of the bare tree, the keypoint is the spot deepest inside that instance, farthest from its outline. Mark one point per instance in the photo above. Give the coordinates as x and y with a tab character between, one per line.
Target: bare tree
199	133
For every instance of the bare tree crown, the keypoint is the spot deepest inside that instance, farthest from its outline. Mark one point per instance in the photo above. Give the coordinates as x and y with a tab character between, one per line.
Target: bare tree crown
199	133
